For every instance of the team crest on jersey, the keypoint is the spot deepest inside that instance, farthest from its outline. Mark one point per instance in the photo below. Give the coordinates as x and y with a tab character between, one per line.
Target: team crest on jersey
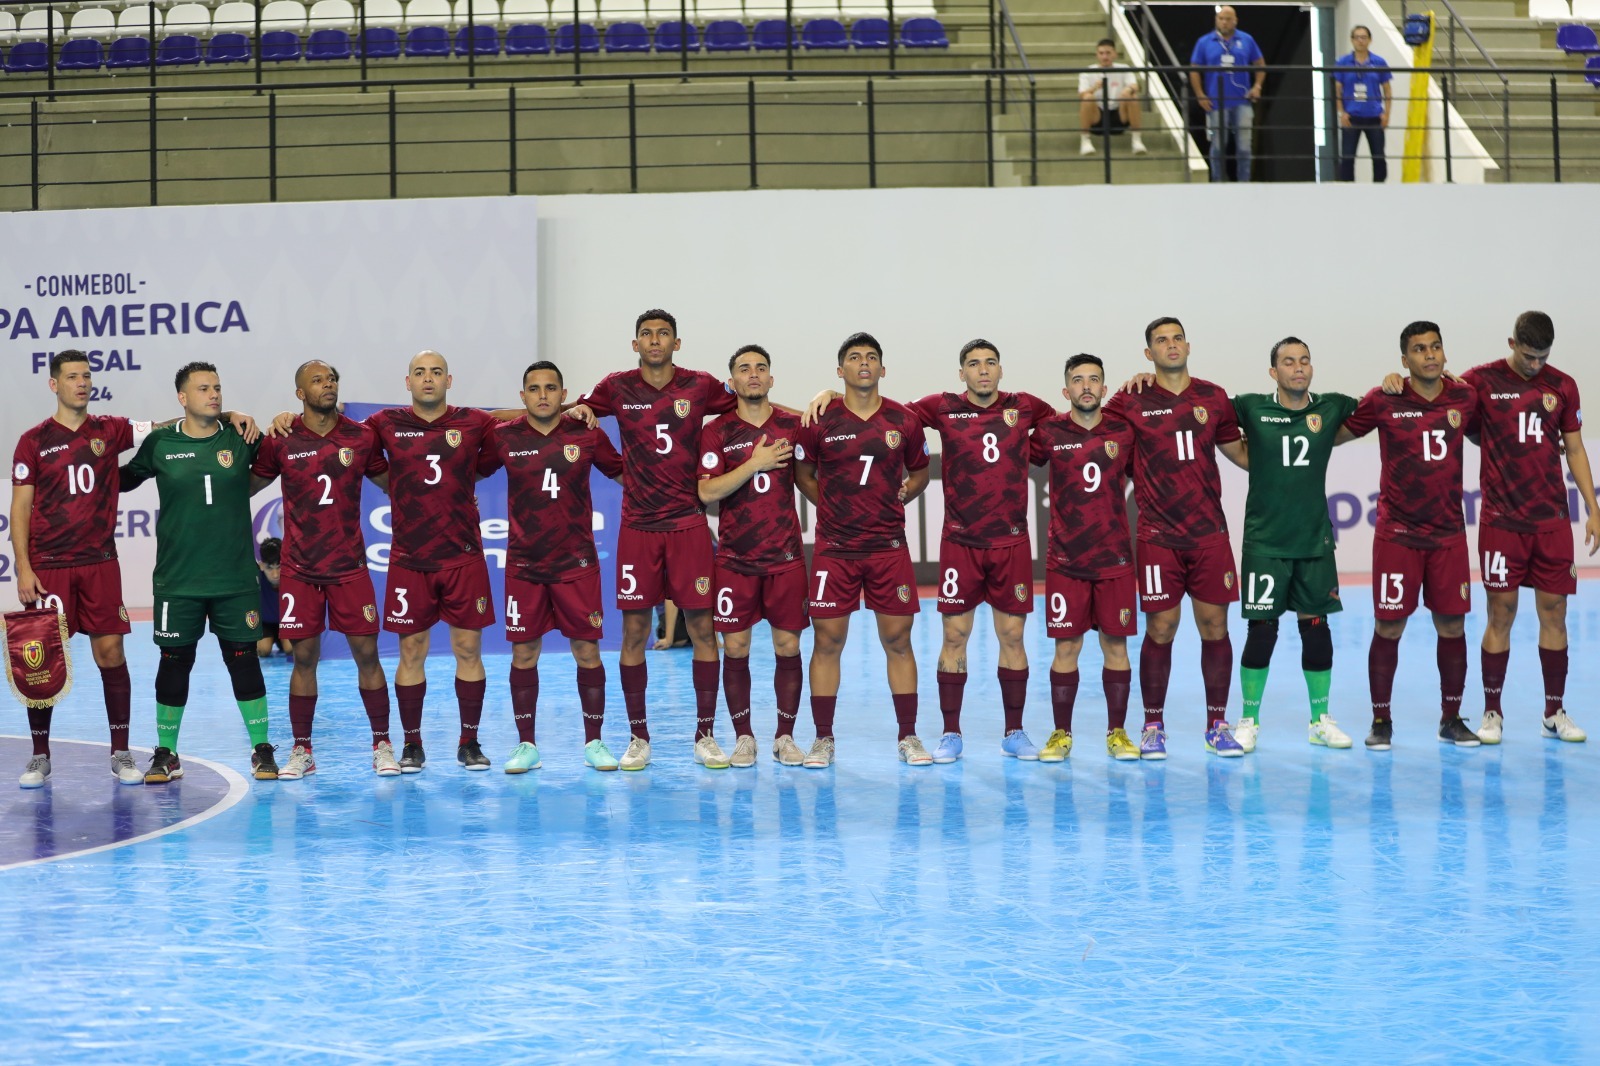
1453	417
1227	580
1550	401
252	619
570	451
1021	592
97	446
122	612
482	604
1111	449
347	456
596	619
452	437
1010	414
1314	423
904	592
370	612
1124	615
702	585
225	457
680	408
33	654
893	437
1201	414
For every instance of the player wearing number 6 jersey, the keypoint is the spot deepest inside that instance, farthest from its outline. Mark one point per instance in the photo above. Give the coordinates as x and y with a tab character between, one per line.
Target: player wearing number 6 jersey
552	568
1089	582
1420	547
760	570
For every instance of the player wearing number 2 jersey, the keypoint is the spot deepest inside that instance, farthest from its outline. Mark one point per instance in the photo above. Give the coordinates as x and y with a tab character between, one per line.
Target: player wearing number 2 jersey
1531	417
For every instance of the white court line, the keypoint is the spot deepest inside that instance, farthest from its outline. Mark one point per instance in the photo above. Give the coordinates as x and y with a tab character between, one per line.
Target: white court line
238	788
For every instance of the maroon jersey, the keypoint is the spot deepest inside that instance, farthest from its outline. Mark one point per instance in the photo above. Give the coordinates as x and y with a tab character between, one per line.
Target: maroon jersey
432	468
322	495
1522	423
758	531
1422	444
660	431
1088	495
860	465
547	484
984	464
74	479
1175	479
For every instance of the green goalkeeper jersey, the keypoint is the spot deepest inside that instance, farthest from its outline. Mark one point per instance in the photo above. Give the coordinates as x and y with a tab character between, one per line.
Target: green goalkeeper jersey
1286	511
205	547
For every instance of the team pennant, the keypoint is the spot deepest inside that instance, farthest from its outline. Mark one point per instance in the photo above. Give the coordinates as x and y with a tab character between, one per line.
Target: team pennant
40	664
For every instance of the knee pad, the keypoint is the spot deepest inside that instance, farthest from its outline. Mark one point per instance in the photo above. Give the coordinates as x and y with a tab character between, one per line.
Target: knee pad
1316	645
1260	638
172	676
244	669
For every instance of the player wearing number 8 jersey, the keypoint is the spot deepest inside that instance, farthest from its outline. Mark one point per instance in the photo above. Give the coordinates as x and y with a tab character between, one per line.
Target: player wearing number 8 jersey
1531	416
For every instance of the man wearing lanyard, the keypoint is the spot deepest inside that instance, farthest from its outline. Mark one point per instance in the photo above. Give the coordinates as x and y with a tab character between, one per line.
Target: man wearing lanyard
1361	89
1228	97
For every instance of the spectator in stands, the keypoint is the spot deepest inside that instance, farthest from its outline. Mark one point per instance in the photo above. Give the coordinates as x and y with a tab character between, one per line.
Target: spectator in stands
270	564
1228	97
1361	89
1108	94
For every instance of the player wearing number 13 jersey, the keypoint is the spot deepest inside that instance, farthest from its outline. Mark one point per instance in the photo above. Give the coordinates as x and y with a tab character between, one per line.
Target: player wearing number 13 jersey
1531	417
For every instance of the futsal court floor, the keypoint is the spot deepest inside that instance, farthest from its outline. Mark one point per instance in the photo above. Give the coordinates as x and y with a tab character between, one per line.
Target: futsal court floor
1425	905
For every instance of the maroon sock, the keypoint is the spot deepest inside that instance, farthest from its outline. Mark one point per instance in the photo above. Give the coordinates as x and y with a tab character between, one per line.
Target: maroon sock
822	708
524	701
1155	667
1117	683
705	697
736	685
118	687
1383	657
1013	696
39	726
469	697
1063	695
1494	678
786	682
1553	661
376	702
592	698
1452	656
410	697
1216	669
905	713
952	686
634	681
302	712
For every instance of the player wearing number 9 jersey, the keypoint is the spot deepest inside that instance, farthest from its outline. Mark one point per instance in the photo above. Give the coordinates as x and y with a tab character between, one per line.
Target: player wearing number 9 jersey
1089	582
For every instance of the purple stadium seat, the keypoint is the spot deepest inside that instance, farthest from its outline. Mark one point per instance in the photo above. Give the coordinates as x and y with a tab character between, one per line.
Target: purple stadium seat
324	45
380	42
128	52
670	37
228	48
581	38
527	41
428	41
179	50
80	55
485	40
1577	39
627	37
280	46
727	36
771	35
27	57
824	34
870	33
923	33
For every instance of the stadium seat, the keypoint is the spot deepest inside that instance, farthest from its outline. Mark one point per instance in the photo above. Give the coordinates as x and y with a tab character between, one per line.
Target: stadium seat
484	12
135	22
614	11
8	27
562	13
527	40
1586	10
280	46
525	13
228	48
178	50
571	39
1592	68
677	36
482	40
923	33
82	54
1577	39
807	10
380	42
824	34
855	10
386	13
428	13
427	41
188	20
128	52
41	24
870	33
771	35
710	11
1549	10
326	45
660	11
27	57
97	22
331	15
283	16
726	35
235	16
627	37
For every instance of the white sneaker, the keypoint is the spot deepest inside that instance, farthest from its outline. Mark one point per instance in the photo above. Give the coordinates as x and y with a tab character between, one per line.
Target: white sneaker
300	764
1560	727
912	753
1140	149
124	770
1086	147
787	752
1493	725
820	757
708	753
1325	732
744	753
637	757
383	760
1246	732
37	773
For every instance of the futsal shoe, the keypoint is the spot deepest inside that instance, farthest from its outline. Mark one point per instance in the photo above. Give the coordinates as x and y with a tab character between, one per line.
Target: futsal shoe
470	754
948	750
637	757
383	761
37	773
1220	742
787	752
1455	731
708	753
1491	728
1246	733
1153	743
164	767
820	757
123	769
912	753
300	764
524	757
1120	748
1325	733
744	753
597	755
1382	735
412	759
1058	747
1016	745
1560	727
263	762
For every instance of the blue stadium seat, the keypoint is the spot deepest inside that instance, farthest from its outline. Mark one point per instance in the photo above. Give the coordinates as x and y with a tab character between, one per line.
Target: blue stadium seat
870	33
1591	67
280	46
485	40
81	55
325	45
381	42
727	36
27	57
627	37
228	48
1577	39
824	34
527	41
670	36
923	33
128	52
428	41
771	35
179	50
570	38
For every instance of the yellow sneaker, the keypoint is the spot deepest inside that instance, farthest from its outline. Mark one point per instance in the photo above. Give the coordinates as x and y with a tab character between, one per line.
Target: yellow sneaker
1057	748
1119	747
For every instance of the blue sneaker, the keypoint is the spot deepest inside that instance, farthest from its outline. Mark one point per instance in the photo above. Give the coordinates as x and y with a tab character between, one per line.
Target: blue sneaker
524	757
1016	745
1219	741
597	755
1153	743
949	749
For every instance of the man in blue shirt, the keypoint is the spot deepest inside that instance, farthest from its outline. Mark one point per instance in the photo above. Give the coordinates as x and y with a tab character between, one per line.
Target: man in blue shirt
1361	89
1228	97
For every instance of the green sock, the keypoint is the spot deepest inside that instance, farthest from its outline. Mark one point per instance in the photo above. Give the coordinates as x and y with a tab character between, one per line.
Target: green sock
1317	684
168	719
255	719
1252	683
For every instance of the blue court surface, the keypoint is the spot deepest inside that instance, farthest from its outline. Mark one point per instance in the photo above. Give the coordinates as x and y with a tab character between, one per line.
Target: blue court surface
1429	904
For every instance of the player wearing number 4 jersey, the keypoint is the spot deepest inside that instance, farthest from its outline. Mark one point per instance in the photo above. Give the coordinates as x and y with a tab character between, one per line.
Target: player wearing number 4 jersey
322	459
552	568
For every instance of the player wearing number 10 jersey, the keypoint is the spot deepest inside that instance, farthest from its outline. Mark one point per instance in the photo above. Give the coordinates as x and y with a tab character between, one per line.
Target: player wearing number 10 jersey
1531	416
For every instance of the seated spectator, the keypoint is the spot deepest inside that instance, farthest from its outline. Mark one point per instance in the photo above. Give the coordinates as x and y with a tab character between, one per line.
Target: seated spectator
1114	84
1361	89
270	564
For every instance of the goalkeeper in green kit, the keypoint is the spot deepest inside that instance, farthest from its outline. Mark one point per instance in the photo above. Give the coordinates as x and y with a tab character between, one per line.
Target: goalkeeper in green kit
205	564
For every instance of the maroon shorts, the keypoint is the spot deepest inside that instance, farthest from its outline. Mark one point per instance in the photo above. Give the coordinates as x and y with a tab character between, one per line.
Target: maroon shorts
1543	560
653	566
1075	605
745	599
1000	577
534	608
90	597
306	608
885	579
416	599
1205	573
1442	575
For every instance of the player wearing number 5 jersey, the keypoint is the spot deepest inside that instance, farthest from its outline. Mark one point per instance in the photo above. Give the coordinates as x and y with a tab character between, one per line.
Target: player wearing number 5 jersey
1089	582
1420	547
1178	425
1531	417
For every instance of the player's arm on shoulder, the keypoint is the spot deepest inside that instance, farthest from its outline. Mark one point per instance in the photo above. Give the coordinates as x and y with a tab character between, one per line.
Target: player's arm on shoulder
819	403
592	404
28	588
242	424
